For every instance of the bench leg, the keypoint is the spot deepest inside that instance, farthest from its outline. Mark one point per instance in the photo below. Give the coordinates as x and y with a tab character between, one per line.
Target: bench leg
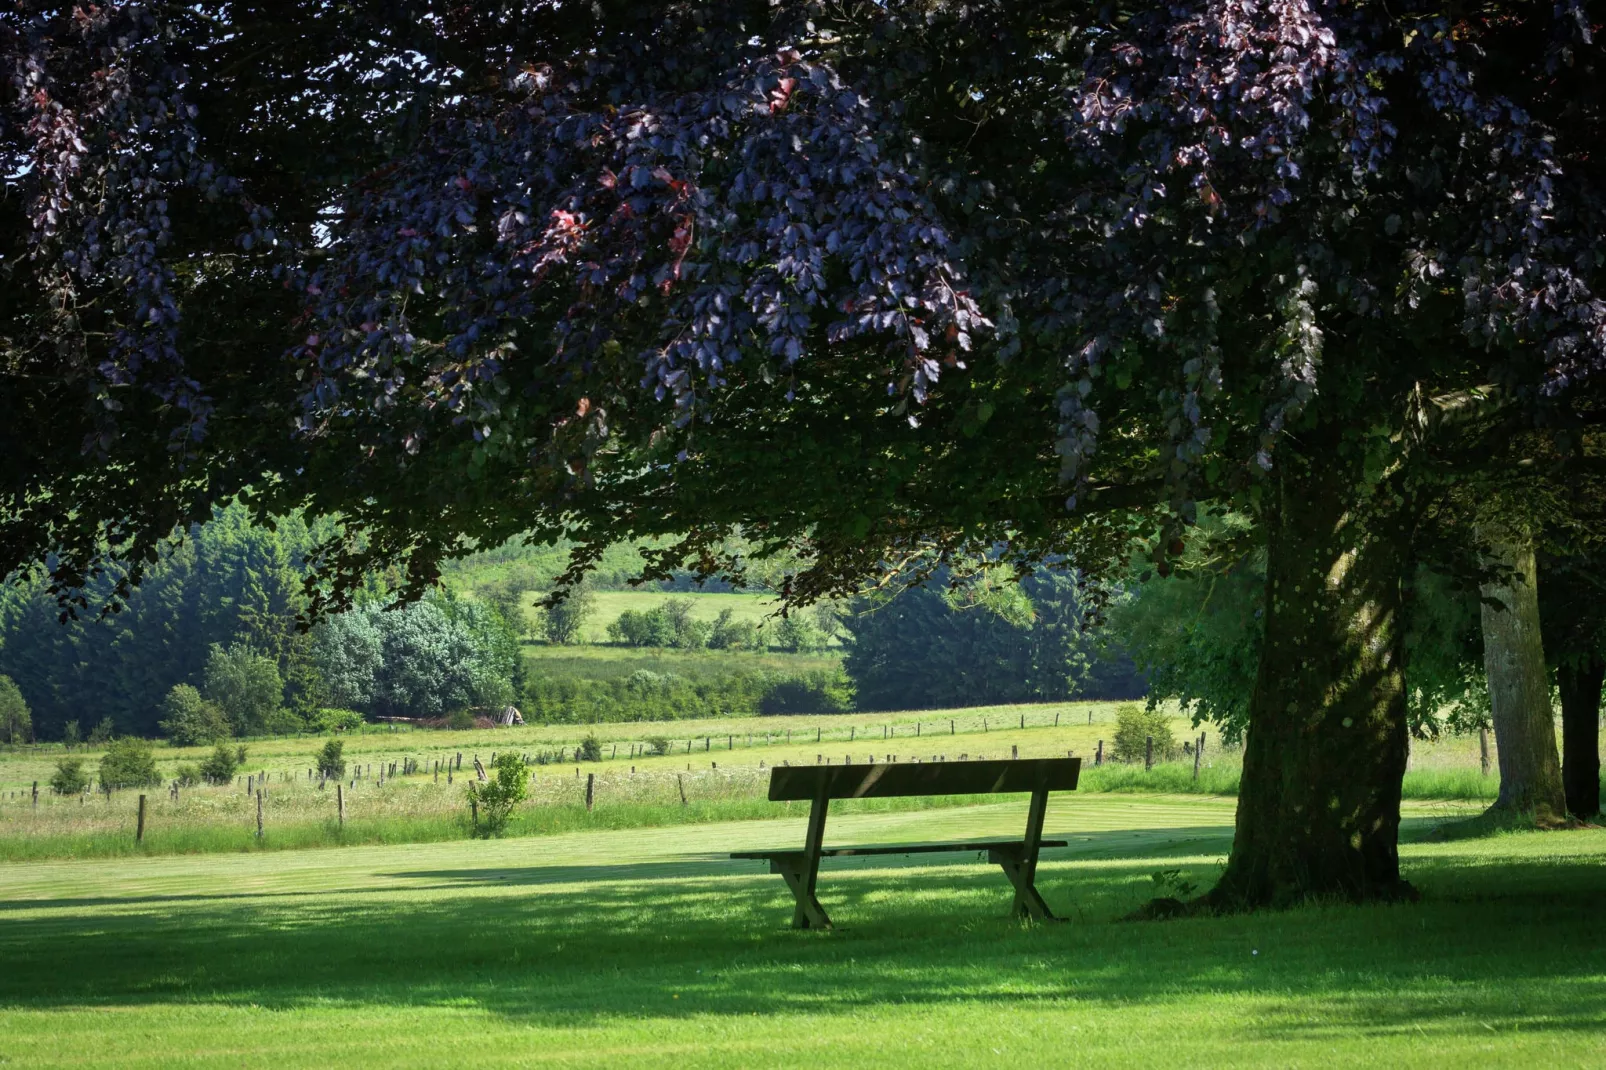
1022	872
809	914
1021	867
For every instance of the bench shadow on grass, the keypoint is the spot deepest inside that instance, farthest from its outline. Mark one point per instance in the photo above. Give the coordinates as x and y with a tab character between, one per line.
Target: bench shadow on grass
1501	946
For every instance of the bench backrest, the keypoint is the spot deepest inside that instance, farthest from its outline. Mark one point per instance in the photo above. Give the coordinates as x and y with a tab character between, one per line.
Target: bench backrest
924	778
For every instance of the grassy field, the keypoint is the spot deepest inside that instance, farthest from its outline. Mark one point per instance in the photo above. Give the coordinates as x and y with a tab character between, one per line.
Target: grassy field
721	766
650	947
704	606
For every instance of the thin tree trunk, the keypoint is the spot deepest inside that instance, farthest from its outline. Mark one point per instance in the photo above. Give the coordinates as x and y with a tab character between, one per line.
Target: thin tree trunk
1519	688
1319	800
1580	685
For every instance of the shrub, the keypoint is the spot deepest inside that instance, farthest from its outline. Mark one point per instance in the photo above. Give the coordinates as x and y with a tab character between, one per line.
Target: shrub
641	628
188	775
817	692
796	634
331	720
128	763
667	625
284	722
589	750
71	735
331	760
731	634
563	622
69	777
245	685
221	765
1134	725
16	722
190	720
658	745
492	802
102	732
460	719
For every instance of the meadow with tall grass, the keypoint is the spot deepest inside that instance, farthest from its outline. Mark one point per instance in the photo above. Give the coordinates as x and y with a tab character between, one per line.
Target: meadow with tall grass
406	785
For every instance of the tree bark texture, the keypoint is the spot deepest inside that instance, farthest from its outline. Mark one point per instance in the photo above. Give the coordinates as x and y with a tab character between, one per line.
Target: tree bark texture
1580	685
1319	801
1519	687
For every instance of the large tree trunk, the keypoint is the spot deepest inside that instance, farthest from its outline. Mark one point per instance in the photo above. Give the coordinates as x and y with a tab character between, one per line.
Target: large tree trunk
1319	802
1580	685
1519	688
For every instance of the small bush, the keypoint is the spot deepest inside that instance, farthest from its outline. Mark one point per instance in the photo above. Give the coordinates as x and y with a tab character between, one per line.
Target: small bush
814	693
1134	725
189	720
331	760
460	719
589	750
667	625
128	763
102	732
69	777
331	720
731	634
492	802
71	734
285	722
221	765
658	745
188	775
796	634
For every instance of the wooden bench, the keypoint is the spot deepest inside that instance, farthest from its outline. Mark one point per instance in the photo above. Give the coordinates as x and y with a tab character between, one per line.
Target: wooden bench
822	783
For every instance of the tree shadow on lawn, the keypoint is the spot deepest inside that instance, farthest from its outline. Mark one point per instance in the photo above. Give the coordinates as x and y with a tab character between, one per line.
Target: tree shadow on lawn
1505	946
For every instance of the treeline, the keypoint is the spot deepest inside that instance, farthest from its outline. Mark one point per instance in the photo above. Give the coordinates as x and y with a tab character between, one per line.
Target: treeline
984	641
209	645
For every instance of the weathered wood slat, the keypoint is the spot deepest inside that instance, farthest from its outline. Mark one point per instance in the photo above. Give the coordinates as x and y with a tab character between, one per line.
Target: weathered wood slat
925	778
901	848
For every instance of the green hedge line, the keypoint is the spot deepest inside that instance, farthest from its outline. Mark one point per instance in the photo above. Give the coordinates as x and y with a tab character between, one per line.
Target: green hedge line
650	696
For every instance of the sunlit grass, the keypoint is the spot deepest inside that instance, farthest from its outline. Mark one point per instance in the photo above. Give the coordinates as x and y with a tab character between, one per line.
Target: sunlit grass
649	948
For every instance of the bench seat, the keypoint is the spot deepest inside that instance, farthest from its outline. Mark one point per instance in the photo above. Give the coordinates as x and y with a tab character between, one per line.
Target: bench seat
900	849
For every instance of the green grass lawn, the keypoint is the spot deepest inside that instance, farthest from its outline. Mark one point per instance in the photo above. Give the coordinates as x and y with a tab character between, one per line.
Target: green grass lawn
651	948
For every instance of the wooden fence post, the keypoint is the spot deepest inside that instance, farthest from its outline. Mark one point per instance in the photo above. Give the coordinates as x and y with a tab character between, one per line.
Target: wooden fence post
36	794
591	788
340	803
951	728
1098	755
680	782
259	815
1023	720
1056	720
1198	749
1148	753
1483	750
139	829
1014	751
